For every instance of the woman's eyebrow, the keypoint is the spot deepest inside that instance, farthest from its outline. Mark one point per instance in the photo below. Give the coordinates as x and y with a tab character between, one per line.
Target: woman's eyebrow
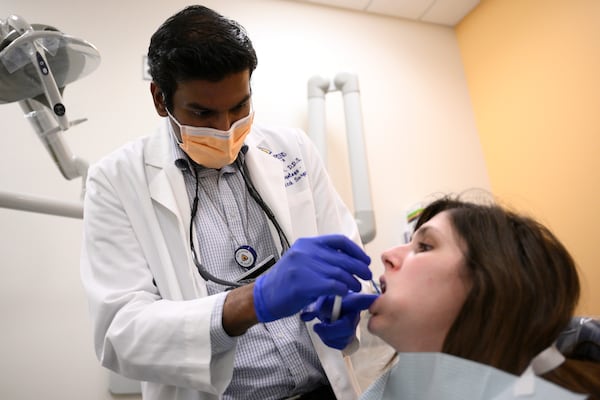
422	231
427	231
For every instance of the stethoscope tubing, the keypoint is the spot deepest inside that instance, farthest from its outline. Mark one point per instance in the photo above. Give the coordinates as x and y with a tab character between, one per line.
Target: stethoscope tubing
285	244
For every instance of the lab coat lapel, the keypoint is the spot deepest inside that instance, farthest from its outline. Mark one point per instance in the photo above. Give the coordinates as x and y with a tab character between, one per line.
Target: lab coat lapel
166	188
172	210
165	181
266	173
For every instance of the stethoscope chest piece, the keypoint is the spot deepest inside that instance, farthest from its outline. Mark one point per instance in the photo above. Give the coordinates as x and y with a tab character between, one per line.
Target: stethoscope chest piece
245	256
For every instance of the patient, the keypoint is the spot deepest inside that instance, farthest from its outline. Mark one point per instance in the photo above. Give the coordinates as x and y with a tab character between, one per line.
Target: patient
477	282
485	284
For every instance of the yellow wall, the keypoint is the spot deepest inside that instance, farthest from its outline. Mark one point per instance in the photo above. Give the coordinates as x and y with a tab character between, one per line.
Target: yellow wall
533	71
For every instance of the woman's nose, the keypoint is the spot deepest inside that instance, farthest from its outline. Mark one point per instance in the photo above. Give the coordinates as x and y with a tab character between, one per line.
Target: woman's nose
394	257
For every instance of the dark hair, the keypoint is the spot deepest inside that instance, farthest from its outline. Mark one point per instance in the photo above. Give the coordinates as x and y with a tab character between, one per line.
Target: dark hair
524	292
198	43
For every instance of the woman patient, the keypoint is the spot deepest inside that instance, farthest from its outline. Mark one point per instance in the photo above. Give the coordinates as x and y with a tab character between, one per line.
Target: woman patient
481	283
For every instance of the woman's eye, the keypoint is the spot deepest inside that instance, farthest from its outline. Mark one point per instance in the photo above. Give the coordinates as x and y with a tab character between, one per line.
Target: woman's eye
421	247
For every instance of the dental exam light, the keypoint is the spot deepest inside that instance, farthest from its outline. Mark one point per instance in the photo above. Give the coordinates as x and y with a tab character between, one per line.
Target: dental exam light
36	63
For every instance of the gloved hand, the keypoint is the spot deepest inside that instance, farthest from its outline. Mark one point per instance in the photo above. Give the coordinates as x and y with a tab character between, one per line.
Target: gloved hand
312	267
340	333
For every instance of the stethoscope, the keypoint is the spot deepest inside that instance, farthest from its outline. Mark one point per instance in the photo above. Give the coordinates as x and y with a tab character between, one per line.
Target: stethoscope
251	274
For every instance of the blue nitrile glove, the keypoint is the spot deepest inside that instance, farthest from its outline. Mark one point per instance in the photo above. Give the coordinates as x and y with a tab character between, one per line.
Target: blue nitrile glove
312	267
340	333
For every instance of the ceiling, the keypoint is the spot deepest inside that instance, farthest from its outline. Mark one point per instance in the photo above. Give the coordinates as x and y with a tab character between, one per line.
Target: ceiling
444	12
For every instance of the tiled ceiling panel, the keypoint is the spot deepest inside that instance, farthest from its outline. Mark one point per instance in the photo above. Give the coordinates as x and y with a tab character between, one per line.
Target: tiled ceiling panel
351	4
449	12
443	12
411	9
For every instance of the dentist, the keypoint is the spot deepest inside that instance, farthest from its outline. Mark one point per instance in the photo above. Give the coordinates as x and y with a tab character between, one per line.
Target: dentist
203	241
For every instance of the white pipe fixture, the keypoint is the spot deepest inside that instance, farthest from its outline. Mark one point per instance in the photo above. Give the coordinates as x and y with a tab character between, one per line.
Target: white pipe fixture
317	89
347	83
43	205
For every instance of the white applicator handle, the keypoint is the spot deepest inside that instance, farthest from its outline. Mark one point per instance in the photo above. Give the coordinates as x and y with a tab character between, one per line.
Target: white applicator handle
336	309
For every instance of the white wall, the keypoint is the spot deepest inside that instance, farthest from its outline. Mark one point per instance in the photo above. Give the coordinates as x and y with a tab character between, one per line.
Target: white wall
420	130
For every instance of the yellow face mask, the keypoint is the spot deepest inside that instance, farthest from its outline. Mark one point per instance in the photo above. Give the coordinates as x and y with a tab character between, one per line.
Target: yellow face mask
210	147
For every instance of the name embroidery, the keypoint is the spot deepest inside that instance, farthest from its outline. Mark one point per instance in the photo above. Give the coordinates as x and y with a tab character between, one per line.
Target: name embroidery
294	170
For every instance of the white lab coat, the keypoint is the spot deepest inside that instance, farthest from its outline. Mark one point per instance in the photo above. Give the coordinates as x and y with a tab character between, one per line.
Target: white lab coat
136	221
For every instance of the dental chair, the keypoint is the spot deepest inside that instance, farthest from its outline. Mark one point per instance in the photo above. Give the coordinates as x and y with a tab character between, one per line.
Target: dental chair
581	339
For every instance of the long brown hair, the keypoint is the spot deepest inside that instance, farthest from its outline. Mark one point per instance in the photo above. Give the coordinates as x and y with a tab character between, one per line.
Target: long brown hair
524	288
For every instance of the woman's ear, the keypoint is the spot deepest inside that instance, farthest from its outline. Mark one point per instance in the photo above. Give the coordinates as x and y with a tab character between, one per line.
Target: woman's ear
158	99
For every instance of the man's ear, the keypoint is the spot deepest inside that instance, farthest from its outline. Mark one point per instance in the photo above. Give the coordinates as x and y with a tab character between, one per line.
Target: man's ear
158	99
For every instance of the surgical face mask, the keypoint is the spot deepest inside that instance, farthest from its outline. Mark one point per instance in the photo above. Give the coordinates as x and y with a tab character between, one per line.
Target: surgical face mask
213	148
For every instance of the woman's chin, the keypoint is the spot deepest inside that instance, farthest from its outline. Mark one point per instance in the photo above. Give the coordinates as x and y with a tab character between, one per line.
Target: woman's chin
372	324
